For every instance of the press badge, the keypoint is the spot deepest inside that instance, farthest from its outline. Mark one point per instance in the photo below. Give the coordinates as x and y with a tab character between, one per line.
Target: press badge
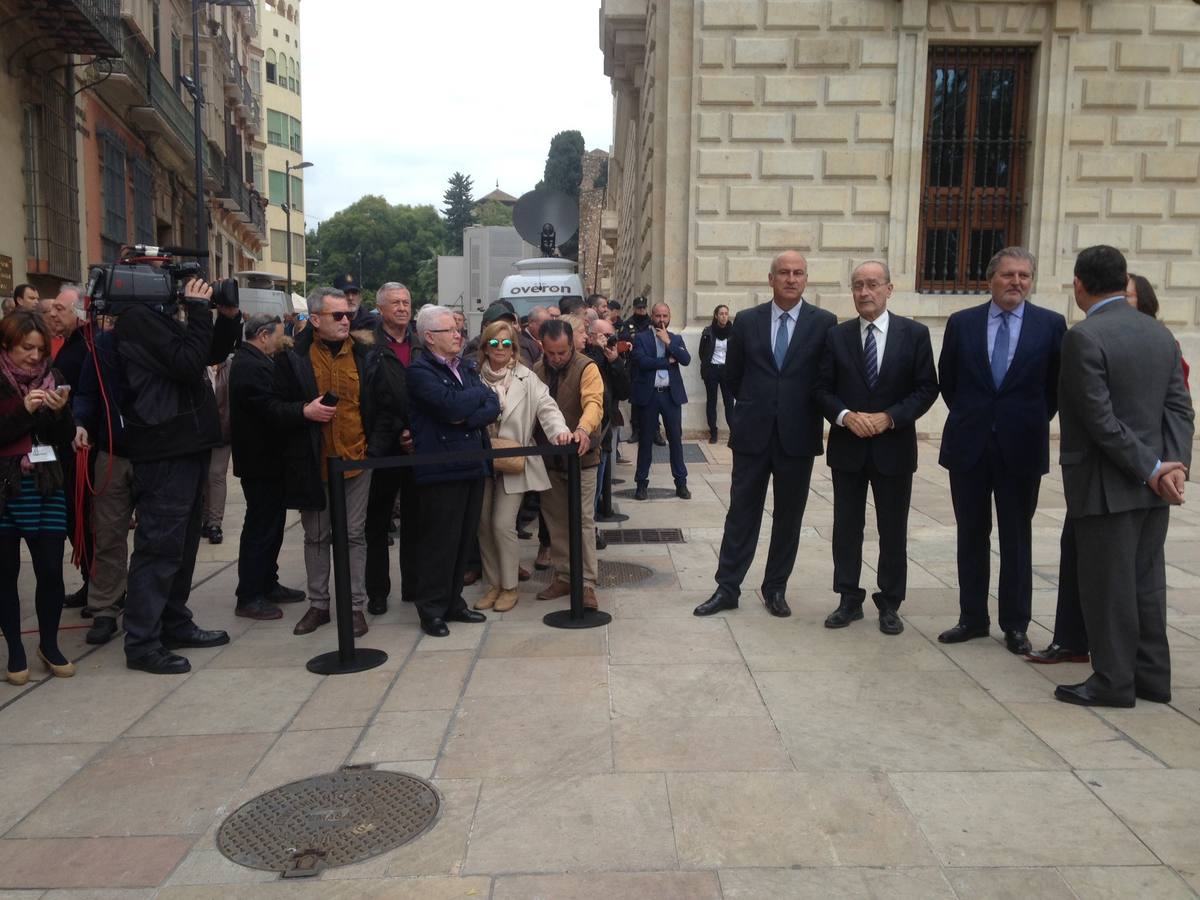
42	453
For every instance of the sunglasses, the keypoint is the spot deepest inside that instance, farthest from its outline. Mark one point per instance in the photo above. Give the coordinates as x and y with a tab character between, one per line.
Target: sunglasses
336	316
506	343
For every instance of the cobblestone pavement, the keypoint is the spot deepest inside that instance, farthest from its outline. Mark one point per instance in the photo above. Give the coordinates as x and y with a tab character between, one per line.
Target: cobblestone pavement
662	756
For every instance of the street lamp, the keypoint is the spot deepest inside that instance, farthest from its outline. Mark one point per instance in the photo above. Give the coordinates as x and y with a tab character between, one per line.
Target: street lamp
288	169
196	89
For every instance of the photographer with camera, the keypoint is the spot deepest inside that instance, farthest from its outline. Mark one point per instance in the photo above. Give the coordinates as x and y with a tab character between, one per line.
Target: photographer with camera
171	425
604	350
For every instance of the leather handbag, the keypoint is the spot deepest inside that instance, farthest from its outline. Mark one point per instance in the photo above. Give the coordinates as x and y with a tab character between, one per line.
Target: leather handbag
507	465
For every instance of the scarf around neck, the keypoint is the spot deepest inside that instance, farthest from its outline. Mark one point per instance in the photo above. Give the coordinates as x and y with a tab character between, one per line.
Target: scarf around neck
25	380
721	332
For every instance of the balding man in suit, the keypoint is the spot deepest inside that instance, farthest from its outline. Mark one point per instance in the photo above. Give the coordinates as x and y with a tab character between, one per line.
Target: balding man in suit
1127	426
772	366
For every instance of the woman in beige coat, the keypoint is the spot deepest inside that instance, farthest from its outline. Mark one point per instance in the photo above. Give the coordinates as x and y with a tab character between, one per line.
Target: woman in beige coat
524	402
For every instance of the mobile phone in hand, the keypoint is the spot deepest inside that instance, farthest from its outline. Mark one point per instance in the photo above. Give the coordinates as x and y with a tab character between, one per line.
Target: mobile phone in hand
330	399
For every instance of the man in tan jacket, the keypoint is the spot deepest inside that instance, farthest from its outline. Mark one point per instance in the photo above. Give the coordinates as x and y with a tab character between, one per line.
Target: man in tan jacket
577	387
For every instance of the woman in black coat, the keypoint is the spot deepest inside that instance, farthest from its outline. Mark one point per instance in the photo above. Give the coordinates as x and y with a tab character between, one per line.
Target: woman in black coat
714	343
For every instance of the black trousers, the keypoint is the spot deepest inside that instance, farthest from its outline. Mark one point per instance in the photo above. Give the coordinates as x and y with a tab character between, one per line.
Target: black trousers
1123	583
747	494
46	554
1070	630
262	536
168	495
972	492
386	485
893	496
714	383
448	521
661	404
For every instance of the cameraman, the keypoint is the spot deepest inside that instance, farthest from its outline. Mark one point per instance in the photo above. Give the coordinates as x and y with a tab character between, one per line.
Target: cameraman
171	424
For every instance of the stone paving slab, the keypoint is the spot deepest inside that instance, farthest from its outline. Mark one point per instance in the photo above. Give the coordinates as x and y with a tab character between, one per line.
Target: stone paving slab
663	756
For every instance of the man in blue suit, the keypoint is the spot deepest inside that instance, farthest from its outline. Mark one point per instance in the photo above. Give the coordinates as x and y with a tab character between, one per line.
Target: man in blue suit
999	376
657	390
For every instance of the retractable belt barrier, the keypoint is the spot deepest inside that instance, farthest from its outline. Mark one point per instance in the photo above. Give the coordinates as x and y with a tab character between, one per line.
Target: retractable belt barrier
348	658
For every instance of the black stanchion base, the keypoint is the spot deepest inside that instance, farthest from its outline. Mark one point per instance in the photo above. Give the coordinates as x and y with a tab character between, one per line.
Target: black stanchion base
612	517
592	618
330	663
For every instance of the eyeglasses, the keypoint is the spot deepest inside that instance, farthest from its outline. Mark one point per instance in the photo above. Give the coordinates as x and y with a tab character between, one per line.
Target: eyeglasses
301	317
506	343
336	316
439	330
867	285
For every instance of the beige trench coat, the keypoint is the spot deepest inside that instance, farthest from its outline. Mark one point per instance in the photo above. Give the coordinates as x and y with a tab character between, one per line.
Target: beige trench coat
527	403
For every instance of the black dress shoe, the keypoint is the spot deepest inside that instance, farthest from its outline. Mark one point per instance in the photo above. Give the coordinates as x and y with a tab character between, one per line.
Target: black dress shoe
78	599
889	622
714	604
281	594
435	627
682	492
465	615
1056	653
377	606
843	616
640	492
1152	696
776	605
1017	642
103	630
961	632
601	540
160	662
215	535
1081	695
260	609
195	637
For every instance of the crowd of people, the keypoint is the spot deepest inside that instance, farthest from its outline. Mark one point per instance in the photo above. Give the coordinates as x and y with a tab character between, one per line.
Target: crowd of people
131	423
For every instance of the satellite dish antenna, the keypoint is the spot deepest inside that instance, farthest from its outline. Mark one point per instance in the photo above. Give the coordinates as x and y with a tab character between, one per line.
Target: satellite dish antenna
546	218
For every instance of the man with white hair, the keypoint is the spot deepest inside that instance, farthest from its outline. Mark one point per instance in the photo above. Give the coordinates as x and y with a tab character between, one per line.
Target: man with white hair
451	409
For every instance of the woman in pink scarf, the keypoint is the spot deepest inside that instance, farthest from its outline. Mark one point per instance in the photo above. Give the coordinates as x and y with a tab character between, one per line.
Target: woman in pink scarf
36	429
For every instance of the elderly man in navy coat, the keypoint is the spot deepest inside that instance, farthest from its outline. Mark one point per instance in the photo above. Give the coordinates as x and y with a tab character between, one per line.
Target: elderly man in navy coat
658	391
999	377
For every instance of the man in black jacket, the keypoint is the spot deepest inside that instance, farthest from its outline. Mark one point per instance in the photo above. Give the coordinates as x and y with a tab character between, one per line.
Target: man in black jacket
602	350
393	350
877	378
256	448
171	424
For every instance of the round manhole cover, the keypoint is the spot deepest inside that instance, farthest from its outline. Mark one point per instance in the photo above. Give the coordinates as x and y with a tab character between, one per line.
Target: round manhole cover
329	820
652	493
609	574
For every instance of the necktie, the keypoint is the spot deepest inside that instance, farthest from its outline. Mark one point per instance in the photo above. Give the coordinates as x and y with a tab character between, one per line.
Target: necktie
1000	350
872	356
781	340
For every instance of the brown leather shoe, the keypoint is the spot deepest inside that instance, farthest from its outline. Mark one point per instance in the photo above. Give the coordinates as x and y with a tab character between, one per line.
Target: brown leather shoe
360	622
523	574
471	576
488	600
555	590
311	621
589	599
506	601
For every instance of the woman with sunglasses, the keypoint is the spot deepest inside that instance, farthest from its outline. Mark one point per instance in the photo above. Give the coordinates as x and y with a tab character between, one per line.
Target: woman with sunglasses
524	402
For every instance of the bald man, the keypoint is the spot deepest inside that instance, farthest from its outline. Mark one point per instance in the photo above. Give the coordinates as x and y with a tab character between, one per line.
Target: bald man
772	364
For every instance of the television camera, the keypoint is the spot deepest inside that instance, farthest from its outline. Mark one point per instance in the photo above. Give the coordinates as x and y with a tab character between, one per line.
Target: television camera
153	275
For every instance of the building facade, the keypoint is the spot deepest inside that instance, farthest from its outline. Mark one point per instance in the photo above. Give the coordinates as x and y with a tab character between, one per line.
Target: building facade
924	132
284	140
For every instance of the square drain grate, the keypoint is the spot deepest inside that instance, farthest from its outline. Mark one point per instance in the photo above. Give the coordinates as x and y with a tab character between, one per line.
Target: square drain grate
643	536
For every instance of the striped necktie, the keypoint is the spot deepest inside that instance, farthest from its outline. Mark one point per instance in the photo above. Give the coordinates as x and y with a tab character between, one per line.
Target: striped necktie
869	350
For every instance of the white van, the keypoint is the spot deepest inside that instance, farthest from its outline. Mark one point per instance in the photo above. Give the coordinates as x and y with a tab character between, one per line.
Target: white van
540	282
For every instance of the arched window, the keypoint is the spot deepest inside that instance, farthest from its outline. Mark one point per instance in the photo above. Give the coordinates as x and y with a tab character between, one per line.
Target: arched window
297	76
271	66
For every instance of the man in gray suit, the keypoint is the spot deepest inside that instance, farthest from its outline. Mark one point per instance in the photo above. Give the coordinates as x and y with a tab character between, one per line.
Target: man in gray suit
1127	426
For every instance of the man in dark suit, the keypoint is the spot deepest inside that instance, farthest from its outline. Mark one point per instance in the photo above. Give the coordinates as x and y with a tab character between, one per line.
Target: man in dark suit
772	365
1127	426
877	379
999	377
657	390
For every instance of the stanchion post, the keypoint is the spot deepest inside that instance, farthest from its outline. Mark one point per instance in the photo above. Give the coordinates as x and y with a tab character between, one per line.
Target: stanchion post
606	488
577	616
346	658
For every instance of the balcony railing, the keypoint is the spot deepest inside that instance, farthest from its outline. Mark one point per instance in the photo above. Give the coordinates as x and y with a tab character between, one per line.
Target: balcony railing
86	27
168	104
258	214
233	193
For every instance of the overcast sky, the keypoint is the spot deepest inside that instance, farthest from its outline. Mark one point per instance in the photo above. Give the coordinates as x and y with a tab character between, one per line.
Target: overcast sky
398	98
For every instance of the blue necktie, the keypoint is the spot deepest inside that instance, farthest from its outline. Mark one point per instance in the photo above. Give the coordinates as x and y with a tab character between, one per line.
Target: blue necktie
1000	350
781	340
872	356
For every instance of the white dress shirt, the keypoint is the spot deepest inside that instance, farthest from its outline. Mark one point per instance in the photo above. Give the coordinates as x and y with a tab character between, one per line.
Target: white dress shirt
881	330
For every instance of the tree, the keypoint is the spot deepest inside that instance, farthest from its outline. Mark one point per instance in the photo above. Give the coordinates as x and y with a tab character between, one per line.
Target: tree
564	163
493	213
395	241
459	210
